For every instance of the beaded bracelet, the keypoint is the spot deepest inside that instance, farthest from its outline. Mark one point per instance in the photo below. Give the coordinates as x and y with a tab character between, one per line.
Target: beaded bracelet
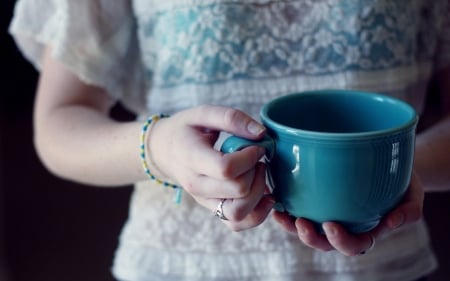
150	120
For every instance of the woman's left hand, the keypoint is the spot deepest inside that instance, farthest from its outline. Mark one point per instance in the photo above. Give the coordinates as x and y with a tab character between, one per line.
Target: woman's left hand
337	238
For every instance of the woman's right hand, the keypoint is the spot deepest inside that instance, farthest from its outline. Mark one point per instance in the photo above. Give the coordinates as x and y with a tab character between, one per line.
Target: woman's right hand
182	149
76	139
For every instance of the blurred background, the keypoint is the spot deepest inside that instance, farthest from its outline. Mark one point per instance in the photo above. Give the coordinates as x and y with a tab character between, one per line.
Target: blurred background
54	230
50	229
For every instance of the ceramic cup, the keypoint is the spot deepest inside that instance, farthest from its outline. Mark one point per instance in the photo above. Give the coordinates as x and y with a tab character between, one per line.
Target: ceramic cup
337	155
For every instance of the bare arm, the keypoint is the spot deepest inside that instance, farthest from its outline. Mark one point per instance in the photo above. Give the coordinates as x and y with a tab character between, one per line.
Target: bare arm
432	162
77	140
74	136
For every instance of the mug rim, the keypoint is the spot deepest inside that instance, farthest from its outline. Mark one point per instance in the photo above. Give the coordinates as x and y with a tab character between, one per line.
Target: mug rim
410	124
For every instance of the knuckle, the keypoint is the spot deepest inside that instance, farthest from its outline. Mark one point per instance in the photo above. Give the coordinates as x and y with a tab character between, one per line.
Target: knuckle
202	109
236	213
240	189
232	116
256	219
235	227
253	153
249	222
307	241
240	220
226	169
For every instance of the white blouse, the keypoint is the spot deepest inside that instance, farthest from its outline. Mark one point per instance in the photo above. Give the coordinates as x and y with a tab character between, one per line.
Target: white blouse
164	56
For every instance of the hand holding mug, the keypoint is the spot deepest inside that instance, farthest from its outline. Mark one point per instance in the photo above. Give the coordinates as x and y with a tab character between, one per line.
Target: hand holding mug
337	155
338	238
183	148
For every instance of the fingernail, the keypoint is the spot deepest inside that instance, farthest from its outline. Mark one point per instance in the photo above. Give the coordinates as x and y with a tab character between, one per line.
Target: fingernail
255	128
397	220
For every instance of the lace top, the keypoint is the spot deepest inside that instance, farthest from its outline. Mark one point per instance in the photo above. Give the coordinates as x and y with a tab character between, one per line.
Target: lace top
163	56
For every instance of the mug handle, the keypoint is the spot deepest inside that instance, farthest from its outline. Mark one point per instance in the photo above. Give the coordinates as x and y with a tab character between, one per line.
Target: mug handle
234	143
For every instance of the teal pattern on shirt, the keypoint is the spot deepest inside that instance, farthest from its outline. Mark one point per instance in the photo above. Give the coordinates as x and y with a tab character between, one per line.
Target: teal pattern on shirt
225	41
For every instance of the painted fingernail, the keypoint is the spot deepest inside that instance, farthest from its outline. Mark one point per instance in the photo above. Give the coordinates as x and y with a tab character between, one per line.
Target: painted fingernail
255	128
397	220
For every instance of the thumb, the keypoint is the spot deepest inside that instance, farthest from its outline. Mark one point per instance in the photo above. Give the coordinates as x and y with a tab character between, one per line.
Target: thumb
410	209
224	119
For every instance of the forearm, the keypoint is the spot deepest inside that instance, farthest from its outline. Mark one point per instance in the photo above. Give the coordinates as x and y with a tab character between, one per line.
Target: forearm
81	144
74	135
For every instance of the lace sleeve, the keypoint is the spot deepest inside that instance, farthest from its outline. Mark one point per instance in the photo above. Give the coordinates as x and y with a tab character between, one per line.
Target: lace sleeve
94	38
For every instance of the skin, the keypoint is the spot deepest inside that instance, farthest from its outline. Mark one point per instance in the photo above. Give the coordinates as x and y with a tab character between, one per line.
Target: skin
431	173
77	140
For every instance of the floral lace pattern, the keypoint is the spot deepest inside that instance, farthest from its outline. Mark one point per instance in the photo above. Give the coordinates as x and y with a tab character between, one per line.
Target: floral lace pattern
225	40
242	53
152	245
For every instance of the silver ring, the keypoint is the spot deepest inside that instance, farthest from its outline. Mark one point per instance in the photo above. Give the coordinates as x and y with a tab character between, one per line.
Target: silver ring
219	211
372	245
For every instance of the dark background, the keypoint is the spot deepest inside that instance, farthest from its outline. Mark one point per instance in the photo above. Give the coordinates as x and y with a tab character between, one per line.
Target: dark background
50	229
54	230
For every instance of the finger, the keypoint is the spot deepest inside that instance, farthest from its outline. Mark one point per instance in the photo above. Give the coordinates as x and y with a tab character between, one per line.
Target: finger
346	243
410	209
237	209
308	234
208	187
224	166
225	119
286	221
203	120
241	207
256	217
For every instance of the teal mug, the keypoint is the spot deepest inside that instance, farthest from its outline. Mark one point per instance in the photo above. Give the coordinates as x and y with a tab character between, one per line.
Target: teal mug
337	155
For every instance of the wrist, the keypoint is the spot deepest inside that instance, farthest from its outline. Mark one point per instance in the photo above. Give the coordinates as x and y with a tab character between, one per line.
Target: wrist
149	165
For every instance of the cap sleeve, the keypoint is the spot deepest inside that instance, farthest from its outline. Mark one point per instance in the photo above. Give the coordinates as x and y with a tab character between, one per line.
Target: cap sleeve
95	39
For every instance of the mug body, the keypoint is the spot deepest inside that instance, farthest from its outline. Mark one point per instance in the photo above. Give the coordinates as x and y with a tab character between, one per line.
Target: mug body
340	155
